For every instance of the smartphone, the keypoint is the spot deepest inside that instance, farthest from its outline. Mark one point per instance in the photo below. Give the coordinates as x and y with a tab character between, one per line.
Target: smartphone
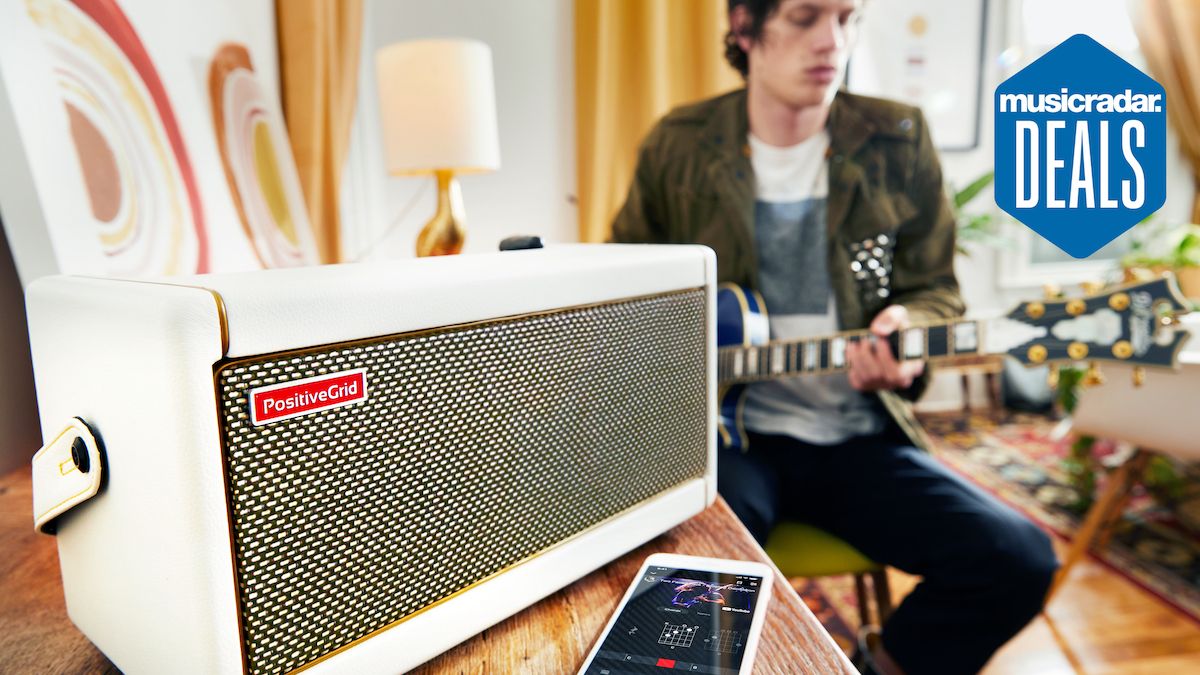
685	613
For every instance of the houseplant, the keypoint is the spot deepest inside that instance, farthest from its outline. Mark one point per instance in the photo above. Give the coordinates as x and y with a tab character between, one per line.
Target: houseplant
1159	247
975	228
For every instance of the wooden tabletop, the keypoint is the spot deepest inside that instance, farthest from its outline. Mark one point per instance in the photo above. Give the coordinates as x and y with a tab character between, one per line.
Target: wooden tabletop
552	636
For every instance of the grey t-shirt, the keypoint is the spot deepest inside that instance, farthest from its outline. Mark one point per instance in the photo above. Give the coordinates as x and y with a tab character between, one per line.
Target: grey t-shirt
792	187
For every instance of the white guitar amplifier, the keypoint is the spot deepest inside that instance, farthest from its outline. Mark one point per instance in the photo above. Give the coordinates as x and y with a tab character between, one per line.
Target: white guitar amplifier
353	468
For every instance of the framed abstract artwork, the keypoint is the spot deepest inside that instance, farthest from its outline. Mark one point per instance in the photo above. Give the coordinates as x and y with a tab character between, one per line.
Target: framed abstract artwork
146	139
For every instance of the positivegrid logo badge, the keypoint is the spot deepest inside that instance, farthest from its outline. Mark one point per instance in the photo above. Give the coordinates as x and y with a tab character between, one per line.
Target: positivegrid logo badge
1081	140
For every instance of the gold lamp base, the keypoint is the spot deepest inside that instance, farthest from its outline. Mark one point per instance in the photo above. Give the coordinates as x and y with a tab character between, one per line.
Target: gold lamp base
446	231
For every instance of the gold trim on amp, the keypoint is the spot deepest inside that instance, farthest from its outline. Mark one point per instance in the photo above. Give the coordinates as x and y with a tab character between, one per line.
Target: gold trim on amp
346	344
222	317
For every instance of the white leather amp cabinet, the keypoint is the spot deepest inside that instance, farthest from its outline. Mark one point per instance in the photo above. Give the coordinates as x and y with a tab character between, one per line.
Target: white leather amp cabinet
352	468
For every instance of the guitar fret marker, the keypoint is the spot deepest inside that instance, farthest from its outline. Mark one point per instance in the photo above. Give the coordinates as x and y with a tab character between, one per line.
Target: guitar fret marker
914	343
738	366
752	361
965	337
777	362
837	352
810	355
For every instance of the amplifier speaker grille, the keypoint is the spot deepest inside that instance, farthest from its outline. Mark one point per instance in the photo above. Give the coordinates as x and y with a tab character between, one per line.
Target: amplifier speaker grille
479	446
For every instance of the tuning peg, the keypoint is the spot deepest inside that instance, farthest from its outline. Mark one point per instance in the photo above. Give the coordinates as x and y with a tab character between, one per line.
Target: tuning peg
1078	351
1051	291
1093	376
1052	377
1139	274
1139	376
1091	287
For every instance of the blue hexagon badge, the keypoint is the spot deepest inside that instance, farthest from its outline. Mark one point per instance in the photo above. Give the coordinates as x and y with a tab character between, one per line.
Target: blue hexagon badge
1081	146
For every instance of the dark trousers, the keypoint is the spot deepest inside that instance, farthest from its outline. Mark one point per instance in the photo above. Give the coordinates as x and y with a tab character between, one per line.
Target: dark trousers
985	569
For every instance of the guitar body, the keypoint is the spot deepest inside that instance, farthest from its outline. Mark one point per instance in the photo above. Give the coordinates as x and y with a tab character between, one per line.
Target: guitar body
741	321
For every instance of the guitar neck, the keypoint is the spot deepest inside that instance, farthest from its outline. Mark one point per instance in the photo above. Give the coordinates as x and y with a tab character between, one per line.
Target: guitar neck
827	354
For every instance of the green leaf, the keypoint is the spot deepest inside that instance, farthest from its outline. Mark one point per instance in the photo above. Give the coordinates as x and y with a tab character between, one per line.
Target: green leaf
1187	254
971	191
1069	380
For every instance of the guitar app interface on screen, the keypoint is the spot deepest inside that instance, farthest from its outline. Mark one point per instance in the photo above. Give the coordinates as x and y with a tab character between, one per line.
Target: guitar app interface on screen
681	620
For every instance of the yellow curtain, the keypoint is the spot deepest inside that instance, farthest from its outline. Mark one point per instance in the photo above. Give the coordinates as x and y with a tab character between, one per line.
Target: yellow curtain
634	61
1169	33
319	42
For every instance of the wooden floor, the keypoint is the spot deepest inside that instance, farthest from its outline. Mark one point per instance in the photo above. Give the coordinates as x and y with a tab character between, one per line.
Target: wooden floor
1100	622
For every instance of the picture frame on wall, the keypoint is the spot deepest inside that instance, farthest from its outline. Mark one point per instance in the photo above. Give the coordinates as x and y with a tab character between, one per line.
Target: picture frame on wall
927	53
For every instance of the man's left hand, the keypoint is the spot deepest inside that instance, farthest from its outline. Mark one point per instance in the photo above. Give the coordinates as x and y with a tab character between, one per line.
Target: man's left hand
872	366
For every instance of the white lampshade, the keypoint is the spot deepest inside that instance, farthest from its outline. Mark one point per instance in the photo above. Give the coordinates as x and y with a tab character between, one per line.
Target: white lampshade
439	106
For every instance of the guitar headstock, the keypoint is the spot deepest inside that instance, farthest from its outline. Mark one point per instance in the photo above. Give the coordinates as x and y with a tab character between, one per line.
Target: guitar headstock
1137	324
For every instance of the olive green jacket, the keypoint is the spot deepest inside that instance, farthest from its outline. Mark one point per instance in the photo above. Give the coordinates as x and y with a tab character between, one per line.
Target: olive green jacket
694	184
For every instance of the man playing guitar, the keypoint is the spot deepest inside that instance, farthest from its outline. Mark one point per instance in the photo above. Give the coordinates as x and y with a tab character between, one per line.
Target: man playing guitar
832	206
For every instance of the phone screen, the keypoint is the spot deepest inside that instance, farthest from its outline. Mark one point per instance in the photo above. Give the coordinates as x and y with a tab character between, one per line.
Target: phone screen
682	620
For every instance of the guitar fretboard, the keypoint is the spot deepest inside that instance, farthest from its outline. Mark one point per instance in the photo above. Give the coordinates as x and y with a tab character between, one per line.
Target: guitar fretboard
827	354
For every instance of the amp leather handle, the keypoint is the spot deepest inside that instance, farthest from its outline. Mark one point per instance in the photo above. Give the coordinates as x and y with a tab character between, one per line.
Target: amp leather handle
67	471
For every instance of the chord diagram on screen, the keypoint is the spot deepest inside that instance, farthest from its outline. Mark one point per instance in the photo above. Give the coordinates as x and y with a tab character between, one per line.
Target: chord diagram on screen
725	642
677	635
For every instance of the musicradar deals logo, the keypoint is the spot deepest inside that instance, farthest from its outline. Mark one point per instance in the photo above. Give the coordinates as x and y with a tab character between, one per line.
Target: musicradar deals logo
1081	140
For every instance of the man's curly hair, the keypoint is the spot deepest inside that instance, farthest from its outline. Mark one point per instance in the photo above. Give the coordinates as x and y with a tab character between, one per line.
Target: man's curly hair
759	11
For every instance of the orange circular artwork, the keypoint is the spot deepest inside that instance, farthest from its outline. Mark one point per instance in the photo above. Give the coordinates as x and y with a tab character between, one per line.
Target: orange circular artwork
258	163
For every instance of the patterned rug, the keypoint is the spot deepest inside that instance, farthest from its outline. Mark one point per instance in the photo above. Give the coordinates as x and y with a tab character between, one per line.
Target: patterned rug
833	602
1018	457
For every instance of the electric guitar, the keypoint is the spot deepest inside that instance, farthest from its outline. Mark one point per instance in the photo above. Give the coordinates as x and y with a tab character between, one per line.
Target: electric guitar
1136	324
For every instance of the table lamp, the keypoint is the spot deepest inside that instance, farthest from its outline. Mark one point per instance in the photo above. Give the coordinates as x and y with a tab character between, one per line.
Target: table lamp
439	117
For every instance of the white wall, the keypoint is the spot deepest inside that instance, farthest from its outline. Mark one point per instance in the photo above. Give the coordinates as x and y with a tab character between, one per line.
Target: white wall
533	192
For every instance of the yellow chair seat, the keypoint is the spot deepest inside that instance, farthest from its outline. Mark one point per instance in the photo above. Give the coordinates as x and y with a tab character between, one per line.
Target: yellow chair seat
801	550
